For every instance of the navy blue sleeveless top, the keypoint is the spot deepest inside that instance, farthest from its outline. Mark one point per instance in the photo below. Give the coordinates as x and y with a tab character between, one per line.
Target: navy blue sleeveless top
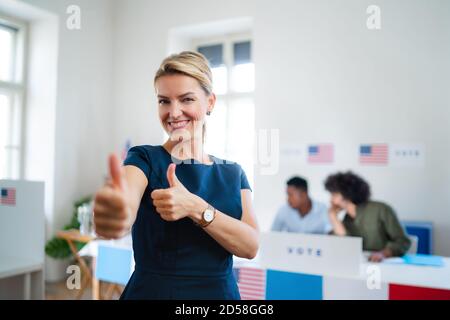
181	249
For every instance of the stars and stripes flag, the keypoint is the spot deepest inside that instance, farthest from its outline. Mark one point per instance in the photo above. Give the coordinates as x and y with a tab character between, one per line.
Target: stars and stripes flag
252	283
8	196
374	154
321	153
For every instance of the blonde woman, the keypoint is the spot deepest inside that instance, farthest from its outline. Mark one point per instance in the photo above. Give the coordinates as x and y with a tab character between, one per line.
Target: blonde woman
189	212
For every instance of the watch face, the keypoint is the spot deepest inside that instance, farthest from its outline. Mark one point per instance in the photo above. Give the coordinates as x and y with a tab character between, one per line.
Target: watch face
208	215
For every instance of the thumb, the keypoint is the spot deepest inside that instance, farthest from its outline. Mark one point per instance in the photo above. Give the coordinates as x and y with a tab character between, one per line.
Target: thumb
171	177
116	172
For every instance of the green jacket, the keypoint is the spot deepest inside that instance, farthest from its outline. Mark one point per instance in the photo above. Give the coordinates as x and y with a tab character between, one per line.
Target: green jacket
379	227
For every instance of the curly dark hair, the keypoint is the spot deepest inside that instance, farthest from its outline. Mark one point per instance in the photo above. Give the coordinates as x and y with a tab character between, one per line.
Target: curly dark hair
351	186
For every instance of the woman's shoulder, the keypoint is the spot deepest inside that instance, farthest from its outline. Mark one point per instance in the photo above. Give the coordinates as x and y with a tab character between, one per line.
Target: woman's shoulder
149	152
226	164
144	156
230	169
379	207
145	148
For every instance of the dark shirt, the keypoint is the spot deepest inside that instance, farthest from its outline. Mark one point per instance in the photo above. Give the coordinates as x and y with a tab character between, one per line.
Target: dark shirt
379	227
175	259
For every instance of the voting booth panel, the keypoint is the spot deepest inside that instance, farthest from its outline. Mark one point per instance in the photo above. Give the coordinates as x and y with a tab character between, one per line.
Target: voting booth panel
315	254
423	230
282	272
22	239
114	264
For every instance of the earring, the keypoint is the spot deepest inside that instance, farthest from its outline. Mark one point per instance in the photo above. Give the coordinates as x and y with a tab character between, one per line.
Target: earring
208	113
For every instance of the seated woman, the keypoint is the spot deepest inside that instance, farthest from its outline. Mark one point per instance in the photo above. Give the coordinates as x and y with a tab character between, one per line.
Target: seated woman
375	222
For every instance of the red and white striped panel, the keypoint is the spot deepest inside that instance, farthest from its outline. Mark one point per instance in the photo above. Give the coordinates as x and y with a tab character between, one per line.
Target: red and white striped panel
252	283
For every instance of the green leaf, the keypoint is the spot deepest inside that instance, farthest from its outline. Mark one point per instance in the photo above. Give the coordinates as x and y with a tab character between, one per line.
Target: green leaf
59	248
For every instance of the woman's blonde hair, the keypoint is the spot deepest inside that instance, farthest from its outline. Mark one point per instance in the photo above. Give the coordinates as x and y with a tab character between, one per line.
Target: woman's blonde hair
189	63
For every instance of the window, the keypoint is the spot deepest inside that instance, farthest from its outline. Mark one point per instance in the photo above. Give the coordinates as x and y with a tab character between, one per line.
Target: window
12	89
231	126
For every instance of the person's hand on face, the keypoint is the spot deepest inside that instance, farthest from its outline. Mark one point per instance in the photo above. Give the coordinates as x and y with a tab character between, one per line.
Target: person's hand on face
334	209
336	204
377	256
112	214
175	202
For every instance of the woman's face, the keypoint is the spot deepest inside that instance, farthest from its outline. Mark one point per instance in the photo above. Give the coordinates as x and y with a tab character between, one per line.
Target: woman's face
339	201
182	106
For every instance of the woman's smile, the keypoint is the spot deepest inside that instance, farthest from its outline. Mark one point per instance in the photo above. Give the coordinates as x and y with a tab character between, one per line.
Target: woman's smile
178	124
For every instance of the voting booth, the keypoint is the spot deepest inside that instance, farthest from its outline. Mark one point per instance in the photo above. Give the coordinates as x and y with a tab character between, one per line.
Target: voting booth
22	237
322	267
297	266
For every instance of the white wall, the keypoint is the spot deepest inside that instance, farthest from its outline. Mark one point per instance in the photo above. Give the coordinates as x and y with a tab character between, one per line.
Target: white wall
83	112
328	78
345	84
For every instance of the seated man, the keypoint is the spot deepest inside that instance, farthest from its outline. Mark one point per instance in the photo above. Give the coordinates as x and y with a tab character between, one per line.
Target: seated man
375	222
301	214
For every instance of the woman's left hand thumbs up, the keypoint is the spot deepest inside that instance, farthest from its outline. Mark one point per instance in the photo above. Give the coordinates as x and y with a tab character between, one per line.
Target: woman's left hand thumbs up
176	202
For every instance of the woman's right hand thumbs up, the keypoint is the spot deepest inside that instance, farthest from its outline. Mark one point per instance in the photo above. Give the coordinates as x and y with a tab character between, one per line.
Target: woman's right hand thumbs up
112	212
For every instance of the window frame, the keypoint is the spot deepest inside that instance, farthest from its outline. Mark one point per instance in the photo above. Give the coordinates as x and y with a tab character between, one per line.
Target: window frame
16	89
227	40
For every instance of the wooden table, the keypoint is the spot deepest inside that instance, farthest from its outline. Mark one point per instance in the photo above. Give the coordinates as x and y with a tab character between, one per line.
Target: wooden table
72	236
